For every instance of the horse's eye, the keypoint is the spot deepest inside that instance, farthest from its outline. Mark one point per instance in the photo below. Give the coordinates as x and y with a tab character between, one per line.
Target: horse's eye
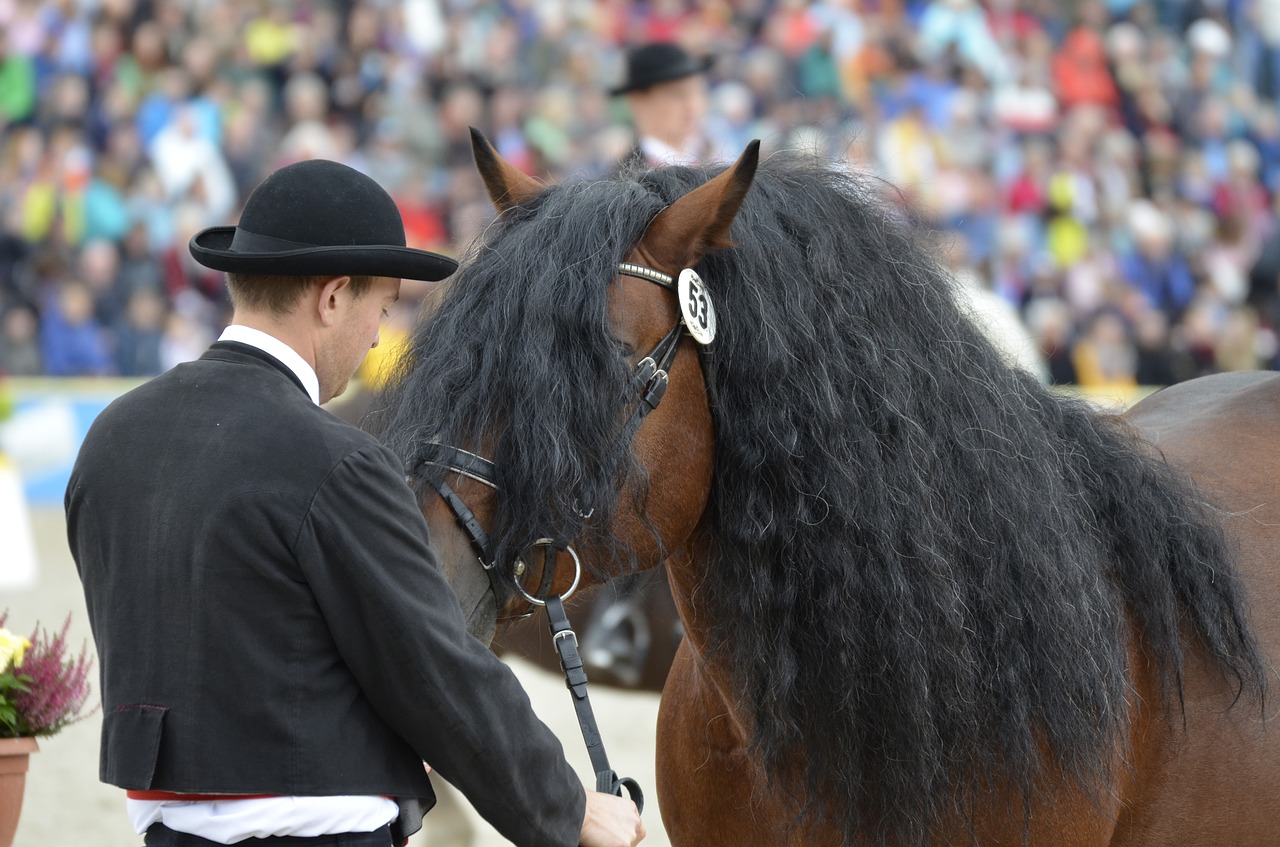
626	349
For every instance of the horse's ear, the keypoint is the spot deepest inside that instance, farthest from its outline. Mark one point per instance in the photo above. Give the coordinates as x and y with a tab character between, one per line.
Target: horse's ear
699	222
507	185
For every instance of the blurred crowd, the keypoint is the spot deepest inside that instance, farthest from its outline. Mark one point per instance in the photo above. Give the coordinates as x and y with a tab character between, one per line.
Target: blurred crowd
1109	168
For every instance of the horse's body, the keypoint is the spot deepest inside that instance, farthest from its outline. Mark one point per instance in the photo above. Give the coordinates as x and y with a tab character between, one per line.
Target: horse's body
926	601
1219	781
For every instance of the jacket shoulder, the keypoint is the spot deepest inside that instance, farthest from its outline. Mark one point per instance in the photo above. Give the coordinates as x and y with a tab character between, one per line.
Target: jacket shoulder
214	414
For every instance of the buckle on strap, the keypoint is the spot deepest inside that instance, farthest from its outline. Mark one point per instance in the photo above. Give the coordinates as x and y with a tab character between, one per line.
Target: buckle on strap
566	642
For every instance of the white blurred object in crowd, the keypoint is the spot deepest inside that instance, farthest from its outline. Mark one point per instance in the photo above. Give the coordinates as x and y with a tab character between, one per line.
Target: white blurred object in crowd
39	438
18	547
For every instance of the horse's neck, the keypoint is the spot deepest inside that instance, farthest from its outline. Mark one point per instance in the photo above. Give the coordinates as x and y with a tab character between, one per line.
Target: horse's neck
684	572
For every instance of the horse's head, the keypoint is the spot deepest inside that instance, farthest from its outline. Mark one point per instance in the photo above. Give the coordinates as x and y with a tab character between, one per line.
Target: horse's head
607	468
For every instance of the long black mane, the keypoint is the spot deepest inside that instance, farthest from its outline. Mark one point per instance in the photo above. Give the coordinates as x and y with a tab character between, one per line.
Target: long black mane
519	347
927	569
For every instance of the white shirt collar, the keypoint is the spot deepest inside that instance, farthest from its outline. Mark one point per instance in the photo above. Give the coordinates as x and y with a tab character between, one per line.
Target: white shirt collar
277	349
662	153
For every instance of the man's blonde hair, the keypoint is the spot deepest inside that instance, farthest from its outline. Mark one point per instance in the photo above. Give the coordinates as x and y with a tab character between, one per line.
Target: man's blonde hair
279	293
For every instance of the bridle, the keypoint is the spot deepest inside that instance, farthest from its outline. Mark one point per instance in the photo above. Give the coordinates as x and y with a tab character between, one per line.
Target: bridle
650	379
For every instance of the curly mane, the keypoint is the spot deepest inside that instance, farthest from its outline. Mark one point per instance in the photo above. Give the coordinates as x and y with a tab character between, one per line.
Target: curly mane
519	346
926	569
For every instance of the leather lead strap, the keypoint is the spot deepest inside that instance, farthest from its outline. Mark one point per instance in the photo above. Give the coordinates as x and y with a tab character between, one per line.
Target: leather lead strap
469	523
566	641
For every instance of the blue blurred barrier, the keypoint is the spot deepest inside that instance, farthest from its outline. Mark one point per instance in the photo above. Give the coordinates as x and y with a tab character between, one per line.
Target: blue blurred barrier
50	420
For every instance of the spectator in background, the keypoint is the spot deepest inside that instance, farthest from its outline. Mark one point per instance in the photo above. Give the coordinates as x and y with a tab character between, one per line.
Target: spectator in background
15	254
91	209
17	85
1155	362
994	315
71	341
1264	135
732	123
1196	341
99	270
1050	324
1264	285
961	25
184	339
1236	347
907	148
1153	268
20	343
139	269
1080	68
666	92
1104	358
139	334
191	167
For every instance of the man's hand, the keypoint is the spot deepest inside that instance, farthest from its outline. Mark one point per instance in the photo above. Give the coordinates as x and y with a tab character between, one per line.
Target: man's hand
610	822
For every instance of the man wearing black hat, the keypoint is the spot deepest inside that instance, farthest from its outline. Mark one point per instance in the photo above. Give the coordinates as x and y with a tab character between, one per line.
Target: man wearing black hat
279	649
666	91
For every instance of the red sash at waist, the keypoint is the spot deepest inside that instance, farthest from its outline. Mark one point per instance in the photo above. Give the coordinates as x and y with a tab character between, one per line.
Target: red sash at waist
195	798
170	795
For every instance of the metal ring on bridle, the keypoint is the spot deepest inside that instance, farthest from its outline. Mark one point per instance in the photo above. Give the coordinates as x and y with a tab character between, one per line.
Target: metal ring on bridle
577	572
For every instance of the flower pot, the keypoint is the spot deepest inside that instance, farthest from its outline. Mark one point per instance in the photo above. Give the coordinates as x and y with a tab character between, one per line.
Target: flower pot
14	755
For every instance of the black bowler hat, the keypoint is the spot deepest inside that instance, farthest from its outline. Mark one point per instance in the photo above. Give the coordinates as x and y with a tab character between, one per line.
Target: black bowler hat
654	63
318	218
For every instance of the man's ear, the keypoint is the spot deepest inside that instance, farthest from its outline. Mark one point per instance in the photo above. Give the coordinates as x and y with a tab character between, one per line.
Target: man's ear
326	299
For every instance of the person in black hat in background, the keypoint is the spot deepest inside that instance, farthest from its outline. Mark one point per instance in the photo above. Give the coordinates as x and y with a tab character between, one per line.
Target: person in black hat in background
666	91
279	649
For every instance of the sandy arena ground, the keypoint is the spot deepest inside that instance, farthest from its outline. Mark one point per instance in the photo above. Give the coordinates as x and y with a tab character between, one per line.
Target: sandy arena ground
65	804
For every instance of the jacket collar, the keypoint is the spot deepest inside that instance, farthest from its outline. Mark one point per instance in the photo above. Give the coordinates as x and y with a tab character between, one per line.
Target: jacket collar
220	349
278	350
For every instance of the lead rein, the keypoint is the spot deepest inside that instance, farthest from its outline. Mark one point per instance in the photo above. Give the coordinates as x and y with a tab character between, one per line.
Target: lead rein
566	643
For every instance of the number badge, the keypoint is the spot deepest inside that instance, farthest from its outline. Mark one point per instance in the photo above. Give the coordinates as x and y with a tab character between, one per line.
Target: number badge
695	305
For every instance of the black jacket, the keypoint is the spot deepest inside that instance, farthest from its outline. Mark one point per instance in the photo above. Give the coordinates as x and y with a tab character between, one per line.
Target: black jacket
270	618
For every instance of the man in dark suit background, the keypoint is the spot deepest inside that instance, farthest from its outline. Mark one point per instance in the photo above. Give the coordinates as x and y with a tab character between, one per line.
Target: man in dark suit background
666	92
279	649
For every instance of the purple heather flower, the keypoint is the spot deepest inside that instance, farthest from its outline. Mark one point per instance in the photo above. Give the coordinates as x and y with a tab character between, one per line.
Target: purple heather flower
54	686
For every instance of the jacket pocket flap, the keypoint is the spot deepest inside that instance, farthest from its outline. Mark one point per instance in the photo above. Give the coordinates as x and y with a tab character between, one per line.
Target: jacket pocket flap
131	745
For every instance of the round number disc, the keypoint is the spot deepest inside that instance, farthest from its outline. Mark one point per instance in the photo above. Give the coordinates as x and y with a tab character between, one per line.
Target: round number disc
695	306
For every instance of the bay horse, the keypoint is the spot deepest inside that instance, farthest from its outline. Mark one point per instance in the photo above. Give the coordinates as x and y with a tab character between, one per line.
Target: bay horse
926	600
